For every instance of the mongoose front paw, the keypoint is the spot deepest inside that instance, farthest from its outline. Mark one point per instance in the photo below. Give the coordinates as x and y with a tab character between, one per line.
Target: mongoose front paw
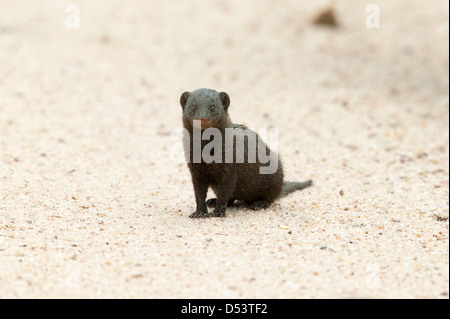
197	214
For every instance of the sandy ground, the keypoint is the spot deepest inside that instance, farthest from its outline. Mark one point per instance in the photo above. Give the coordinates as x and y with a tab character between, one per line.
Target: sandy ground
93	203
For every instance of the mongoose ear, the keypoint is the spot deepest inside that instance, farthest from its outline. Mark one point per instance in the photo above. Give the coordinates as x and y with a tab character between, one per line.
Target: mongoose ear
225	100
183	99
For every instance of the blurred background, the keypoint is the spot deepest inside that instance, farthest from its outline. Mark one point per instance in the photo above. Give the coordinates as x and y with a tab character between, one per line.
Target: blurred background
264	53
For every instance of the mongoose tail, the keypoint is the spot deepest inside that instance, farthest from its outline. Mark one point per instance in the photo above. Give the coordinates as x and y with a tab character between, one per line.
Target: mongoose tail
289	187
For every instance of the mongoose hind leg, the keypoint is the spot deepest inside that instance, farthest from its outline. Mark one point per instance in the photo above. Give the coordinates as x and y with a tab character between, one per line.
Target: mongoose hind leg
211	202
259	204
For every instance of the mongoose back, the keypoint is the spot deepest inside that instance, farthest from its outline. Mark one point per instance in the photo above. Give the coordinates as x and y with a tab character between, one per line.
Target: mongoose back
230	180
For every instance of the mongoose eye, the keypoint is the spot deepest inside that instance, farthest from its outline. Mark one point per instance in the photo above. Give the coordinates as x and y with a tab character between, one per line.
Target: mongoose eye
212	108
194	108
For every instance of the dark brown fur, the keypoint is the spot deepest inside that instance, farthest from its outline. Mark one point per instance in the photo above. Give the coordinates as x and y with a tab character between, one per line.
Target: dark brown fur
229	181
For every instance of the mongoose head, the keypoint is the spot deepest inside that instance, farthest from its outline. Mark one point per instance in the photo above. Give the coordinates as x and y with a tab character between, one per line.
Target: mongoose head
207	106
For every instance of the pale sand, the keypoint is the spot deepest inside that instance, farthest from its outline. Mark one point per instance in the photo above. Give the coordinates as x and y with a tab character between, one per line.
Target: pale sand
91	204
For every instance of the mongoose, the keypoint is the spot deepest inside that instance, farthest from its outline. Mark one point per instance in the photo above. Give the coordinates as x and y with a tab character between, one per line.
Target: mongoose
230	181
